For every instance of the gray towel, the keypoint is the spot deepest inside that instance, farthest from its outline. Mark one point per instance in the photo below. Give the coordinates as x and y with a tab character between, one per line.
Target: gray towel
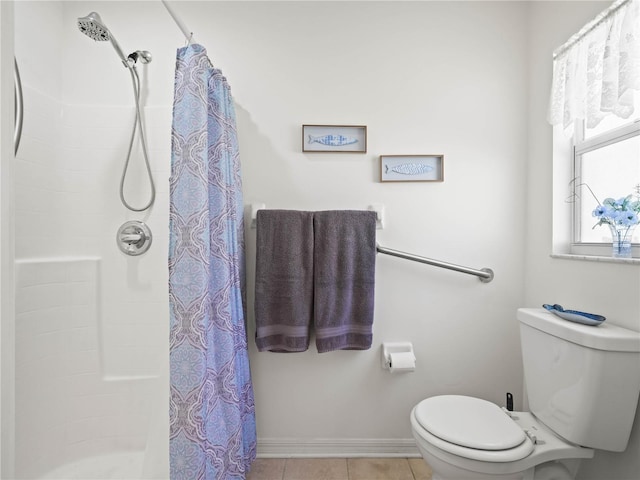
344	279
284	280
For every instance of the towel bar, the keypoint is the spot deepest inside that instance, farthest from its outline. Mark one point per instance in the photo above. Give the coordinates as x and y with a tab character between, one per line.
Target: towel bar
376	207
484	274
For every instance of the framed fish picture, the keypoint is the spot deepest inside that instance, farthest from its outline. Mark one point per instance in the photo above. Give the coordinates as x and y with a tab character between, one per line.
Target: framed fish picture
411	168
334	138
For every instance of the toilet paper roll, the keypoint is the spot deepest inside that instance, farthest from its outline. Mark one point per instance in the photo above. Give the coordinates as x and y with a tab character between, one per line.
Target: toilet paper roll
402	362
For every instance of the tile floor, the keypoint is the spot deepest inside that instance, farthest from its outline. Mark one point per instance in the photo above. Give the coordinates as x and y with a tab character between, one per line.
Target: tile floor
339	469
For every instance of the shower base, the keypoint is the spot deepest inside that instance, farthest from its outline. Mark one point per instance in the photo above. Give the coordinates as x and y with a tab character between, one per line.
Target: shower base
116	466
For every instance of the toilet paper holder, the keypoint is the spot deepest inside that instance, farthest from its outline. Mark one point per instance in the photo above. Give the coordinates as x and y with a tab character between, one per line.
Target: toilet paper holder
394	347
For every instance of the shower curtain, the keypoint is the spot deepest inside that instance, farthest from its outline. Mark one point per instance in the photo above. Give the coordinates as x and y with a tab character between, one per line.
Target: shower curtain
212	417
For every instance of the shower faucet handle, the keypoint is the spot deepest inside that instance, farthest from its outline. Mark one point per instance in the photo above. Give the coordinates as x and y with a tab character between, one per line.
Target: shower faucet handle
131	237
134	238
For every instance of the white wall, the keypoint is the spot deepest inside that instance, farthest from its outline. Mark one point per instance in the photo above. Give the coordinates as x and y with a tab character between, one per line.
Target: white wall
610	289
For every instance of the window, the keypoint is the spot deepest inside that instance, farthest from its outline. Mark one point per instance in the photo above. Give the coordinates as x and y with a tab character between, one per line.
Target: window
595	99
606	163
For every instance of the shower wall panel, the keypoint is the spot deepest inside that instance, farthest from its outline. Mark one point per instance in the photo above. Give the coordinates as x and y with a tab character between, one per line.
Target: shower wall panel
65	408
85	389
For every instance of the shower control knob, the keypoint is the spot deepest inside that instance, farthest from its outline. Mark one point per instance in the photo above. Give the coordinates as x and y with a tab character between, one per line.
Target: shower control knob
134	238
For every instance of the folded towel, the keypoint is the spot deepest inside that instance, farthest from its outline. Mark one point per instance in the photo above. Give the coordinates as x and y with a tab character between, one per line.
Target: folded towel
284	280
344	279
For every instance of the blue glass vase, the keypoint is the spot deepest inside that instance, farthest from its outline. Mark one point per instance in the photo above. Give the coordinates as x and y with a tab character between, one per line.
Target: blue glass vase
621	240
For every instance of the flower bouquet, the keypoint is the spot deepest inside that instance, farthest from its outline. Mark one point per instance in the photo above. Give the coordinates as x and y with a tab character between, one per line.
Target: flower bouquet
621	216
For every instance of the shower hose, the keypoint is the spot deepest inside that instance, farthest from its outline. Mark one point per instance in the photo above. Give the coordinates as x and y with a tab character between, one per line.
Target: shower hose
137	124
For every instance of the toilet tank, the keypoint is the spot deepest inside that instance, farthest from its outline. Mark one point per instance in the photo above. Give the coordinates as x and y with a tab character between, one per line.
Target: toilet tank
582	381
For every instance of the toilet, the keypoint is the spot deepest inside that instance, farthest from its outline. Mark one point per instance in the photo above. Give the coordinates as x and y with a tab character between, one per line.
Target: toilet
582	384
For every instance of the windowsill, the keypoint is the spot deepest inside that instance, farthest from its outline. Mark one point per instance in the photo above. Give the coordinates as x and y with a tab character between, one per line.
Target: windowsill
596	258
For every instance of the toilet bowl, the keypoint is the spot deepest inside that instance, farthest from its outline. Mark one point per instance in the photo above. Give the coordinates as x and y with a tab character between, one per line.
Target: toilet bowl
467	438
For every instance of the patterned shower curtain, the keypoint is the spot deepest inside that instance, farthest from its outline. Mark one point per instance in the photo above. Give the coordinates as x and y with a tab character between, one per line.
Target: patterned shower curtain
212	418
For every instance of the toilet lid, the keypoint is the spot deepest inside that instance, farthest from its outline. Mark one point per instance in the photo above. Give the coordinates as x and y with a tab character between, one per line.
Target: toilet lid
469	422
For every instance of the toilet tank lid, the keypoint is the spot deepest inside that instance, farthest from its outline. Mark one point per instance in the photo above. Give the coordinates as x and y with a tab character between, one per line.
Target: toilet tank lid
469	422
605	336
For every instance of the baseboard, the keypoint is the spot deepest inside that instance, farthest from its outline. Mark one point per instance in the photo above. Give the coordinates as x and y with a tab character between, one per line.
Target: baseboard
336	447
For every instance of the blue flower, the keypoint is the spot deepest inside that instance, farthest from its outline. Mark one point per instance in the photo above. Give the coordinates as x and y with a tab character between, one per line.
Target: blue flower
599	211
627	218
623	211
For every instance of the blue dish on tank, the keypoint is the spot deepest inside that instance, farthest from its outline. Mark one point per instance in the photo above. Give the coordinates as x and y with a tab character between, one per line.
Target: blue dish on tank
574	315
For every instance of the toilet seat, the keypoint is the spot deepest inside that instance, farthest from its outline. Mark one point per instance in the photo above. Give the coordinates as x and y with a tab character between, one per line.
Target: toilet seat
472	428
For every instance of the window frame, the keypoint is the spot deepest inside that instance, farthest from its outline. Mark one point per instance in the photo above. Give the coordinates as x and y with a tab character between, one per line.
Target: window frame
580	147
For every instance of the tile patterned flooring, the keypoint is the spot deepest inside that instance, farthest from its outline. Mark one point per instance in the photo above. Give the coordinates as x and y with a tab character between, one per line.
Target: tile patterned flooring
339	469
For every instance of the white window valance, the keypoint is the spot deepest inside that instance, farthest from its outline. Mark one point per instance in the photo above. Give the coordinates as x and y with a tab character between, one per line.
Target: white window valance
597	72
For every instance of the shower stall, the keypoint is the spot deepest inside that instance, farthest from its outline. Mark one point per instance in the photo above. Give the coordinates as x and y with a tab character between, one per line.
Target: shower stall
85	329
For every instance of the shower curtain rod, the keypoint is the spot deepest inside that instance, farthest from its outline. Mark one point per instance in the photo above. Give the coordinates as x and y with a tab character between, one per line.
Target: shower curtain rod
485	274
187	33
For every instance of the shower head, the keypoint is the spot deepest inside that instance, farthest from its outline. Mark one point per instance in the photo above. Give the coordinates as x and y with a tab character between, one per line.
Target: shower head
93	27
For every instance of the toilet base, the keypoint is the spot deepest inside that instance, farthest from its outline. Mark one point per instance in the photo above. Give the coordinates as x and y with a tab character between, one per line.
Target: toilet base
555	470
446	471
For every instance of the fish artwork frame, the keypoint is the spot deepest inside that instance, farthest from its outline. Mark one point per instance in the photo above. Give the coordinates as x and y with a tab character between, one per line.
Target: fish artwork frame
412	168
334	138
